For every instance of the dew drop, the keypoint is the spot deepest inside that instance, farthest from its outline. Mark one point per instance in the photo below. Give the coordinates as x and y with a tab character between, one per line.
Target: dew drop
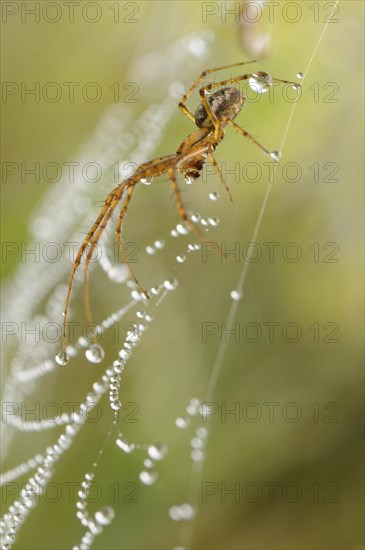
182	229
275	155
141	313
195	218
62	358
150	250
202	432
146	181
174	233
148	477
116	405
236	295
182	513
157	451
181	258
105	515
125	445
95	353
296	87
189	180
159	244
197	455
170	284
213	221
197	443
214	196
260	82
193	246
182	422
300	75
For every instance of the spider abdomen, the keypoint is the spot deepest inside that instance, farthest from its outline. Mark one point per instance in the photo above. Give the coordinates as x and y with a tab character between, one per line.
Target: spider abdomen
226	103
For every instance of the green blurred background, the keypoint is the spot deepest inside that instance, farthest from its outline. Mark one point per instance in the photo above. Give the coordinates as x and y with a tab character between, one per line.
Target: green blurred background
172	364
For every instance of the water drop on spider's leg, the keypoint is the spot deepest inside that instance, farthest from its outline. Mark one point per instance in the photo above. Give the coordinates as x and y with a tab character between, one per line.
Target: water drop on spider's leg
62	358
260	82
275	155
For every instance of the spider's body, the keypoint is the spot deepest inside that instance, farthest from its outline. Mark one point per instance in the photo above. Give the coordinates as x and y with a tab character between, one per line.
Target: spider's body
215	112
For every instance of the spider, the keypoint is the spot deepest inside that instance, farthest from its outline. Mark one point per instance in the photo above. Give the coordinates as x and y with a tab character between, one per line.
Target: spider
216	111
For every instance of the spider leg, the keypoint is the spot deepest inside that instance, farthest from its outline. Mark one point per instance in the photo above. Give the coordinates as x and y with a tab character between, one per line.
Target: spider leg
77	261
116	198
248	136
219	173
181	207
119	237
198	81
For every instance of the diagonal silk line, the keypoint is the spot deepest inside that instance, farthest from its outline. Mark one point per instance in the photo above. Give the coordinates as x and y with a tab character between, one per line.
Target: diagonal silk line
187	532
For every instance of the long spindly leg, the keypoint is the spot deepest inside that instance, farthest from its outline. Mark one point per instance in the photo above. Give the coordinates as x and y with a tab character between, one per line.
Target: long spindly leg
198	81
116	198
77	261
249	137
180	205
220	175
118	232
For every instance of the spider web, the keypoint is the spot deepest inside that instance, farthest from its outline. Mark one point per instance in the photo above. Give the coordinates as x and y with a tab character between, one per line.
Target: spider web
30	363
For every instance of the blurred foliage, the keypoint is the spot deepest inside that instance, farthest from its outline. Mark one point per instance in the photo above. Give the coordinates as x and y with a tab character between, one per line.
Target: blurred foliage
172	364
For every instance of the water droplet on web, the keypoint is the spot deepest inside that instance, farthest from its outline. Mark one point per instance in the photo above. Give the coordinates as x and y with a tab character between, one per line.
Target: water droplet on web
171	284
296	86
141	313
95	353
159	244
275	155
214	196
193	407
148	477
202	432
174	233
193	246
157	451
236	295
150	250
300	75
204	221
182	229
184	512
195	217
260	82
125	445
116	405
182	422
197	455
62	358
105	515
181	258
213	221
